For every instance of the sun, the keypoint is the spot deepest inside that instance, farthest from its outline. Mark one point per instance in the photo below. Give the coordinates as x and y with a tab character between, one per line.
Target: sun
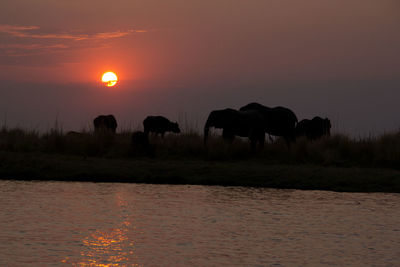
109	78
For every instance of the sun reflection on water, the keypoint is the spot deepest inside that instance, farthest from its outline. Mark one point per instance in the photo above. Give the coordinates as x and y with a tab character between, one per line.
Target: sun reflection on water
107	248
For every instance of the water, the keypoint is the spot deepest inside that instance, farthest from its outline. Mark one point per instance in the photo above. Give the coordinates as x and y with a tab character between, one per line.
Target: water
89	224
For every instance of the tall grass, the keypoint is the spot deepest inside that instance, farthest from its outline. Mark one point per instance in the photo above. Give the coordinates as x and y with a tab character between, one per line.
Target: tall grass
336	150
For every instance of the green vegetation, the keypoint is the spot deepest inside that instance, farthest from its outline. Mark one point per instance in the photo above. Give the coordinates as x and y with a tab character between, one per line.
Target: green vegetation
334	163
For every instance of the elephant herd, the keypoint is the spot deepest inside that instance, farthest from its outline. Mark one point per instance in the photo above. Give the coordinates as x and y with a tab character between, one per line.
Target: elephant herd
252	121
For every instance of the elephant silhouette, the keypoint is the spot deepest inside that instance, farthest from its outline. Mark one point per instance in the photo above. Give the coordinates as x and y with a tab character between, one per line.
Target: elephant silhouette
159	125
105	123
314	128
277	121
237	123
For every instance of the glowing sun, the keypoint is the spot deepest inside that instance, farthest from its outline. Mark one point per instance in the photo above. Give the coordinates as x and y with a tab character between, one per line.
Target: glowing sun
109	78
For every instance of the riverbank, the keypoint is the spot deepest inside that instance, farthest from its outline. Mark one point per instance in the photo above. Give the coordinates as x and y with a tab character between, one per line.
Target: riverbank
249	172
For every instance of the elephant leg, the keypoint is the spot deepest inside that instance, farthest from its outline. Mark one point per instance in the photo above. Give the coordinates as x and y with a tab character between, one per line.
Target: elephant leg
293	136
227	135
255	137
253	144
288	141
270	138
262	140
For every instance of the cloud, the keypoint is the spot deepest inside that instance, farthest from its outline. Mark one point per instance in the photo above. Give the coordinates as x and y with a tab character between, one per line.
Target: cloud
31	32
32	44
13	28
23	50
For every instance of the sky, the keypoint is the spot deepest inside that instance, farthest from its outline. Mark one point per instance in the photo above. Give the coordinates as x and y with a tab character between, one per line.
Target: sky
182	59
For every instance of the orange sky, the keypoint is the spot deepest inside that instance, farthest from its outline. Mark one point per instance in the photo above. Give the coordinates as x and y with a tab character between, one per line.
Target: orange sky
213	48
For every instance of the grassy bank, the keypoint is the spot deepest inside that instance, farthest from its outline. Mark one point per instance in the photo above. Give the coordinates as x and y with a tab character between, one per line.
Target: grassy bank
336	163
337	150
258	173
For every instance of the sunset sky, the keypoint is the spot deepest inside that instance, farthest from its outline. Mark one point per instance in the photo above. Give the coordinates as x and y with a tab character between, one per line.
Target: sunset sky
182	59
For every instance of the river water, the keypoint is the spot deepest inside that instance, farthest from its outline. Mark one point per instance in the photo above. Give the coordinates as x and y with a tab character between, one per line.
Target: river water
111	224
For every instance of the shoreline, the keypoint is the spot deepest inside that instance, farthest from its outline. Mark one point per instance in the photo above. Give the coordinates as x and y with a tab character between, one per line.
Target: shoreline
249	172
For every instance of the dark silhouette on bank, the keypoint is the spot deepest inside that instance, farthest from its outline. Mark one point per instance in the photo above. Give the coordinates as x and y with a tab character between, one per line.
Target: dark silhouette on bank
336	162
314	128
105	123
74	134
159	125
241	123
141	145
277	121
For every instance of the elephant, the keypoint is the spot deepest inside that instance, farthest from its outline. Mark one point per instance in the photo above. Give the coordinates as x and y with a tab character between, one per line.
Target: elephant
105	123
277	121
159	125
240	123
314	129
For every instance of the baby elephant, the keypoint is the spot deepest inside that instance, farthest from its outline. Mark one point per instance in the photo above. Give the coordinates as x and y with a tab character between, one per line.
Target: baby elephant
159	125
314	129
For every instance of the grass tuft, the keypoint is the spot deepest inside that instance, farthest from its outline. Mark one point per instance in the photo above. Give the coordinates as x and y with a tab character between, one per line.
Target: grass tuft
337	150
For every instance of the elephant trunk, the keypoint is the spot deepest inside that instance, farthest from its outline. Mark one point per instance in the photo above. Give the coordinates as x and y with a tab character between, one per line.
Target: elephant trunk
206	130
328	132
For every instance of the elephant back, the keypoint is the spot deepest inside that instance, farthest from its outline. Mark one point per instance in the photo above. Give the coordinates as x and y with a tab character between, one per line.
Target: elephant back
105	123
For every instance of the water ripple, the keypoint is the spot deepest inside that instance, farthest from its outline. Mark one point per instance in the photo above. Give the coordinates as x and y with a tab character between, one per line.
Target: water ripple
89	224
